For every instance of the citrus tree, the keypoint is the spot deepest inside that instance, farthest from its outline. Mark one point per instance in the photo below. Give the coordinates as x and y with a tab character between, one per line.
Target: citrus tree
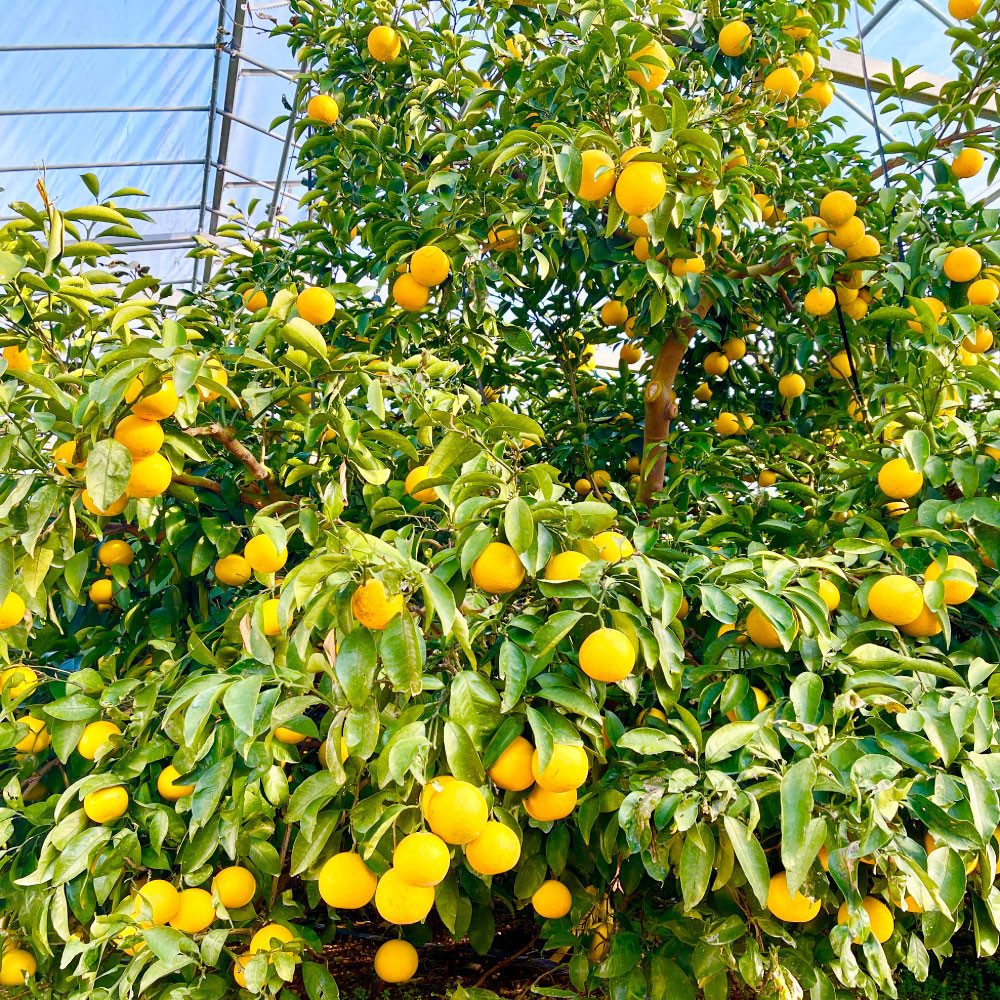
361	585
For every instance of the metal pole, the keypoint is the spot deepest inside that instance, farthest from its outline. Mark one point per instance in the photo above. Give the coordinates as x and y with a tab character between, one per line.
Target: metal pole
251	125
97	166
106	46
100	111
252	181
877	17
942	17
264	66
283	163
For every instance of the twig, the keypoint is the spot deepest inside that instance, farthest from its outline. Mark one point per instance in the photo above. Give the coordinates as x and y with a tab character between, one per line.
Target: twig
226	436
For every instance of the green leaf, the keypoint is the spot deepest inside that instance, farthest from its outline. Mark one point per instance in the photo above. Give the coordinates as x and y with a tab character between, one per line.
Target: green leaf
109	466
518	525
355	666
724	741
697	860
751	857
403	653
463	760
319	983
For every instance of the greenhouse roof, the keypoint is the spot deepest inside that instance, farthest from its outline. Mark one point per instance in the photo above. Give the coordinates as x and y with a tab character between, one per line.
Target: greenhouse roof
177	99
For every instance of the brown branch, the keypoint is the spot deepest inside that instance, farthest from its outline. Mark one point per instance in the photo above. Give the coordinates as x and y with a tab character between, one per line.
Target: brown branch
38	775
226	436
945	140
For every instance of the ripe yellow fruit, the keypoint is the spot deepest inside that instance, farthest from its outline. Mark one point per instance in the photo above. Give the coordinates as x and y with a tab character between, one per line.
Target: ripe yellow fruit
640	188
856	310
734	39
140	436
791	386
804	63
962	264
18	680
552	900
409	294
399	903
840	366
421	859
195	912
512	770
430	266
819	301
654	63
157	900
383	43
262	555
285	735
895	600
600	943
968	163
549	806
254	299
761	631
372	607
846	235
783	82
879	918
150	477
930	845
567	768
955	591
924	626
498	570
272	937
325	109
836	208
565	566
866	247
37	739
396	962
232	570
716	363
582	487
630	354
760	697
897	480
12	610
614	313
64	456
431	789
166	784
830	594
17	359
797	909
703	392
816	228
156	405
215	372
413	480
457	813
116	506
346	882
613	546
236	886
982	292
316	305
607	655
17	965
106	804
496	850
101	591
695	264
767	477
597	177
936	307
963	10
502	238
638	227
727	424
735	348
115	552
94	737
980	342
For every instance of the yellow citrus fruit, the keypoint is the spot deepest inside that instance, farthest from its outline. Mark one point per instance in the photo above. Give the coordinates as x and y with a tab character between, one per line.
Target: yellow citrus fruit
547	806
158	900
18	680
430	266
457	813
269	616
955	591
11	610
232	570
895	600
140	436
64	455
400	903
115	552
727	424
797	909
409	294
155	405
325	109
372	607
924	626
839	366
421	859
195	912
640	188
100	591
980	342
255	300
498	570
116	506
396	962
879	918
695	264
150	477
830	594
38	738
836	208
654	63
962	264
567	768
968	163
637	227
431	789
216	373
597	177
819	301
613	546
552	900
867	246
166	784
106	804
582	487
413	480
897	480
847	235
272	937
761	631
600	943
791	386
94	737
17	360
816	228
496	850
703	392
783	82
565	566
316	305
820	91
936	307
285	735
17	965
767	477
804	63
262	555
607	655
734	39
502	238
235	886
735	348
383	43
630	354
346	882
239	970
760	697
512	770
716	363
982	292
614	313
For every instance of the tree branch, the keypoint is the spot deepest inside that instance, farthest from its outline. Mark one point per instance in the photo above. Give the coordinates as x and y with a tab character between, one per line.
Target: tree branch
226	436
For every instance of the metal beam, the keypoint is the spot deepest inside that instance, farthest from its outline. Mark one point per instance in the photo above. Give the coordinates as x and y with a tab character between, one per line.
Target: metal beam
879	16
106	46
102	111
283	163
256	128
264	66
253	181
97	166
